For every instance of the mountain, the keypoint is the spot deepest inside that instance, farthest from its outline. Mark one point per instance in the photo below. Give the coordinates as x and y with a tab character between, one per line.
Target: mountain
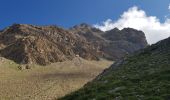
145	75
115	43
27	44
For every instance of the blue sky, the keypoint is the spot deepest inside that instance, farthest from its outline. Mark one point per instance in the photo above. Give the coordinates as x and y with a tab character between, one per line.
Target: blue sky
67	13
150	16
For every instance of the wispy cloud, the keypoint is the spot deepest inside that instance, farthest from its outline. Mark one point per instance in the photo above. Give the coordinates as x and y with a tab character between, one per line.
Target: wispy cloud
137	19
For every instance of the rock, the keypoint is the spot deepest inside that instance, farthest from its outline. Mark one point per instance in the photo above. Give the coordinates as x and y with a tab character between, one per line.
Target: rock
106	81
2	59
117	89
24	66
28	66
21	67
77	61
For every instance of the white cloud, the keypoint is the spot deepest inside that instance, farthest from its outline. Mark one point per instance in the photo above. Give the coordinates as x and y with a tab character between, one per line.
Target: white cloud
169	7
137	19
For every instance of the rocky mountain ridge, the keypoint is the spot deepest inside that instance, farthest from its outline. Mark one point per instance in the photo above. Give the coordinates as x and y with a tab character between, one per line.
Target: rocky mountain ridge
27	44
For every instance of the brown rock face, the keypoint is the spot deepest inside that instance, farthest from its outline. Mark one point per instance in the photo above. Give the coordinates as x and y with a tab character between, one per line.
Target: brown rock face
47	44
43	45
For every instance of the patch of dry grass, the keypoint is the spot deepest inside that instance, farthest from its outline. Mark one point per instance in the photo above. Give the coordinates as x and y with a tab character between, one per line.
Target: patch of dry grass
49	82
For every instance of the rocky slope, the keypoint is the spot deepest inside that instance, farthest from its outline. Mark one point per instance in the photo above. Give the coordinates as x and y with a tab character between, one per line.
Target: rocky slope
145	75
27	44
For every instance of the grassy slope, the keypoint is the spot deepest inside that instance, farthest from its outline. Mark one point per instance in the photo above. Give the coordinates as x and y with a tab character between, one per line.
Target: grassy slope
143	76
46	83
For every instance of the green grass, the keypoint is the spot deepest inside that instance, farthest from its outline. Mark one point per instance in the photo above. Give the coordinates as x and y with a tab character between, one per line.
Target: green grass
143	76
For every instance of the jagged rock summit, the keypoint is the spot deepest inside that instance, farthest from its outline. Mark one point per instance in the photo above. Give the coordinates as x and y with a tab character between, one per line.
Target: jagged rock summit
42	45
115	43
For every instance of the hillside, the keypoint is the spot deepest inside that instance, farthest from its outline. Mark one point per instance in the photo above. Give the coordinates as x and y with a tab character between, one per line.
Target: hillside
143	76
46	83
30	44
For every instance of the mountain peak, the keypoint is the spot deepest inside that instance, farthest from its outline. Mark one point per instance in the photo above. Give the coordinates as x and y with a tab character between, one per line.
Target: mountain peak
16	25
114	30
82	25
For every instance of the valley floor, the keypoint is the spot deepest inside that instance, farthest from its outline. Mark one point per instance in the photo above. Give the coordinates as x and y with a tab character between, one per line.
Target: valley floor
49	82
